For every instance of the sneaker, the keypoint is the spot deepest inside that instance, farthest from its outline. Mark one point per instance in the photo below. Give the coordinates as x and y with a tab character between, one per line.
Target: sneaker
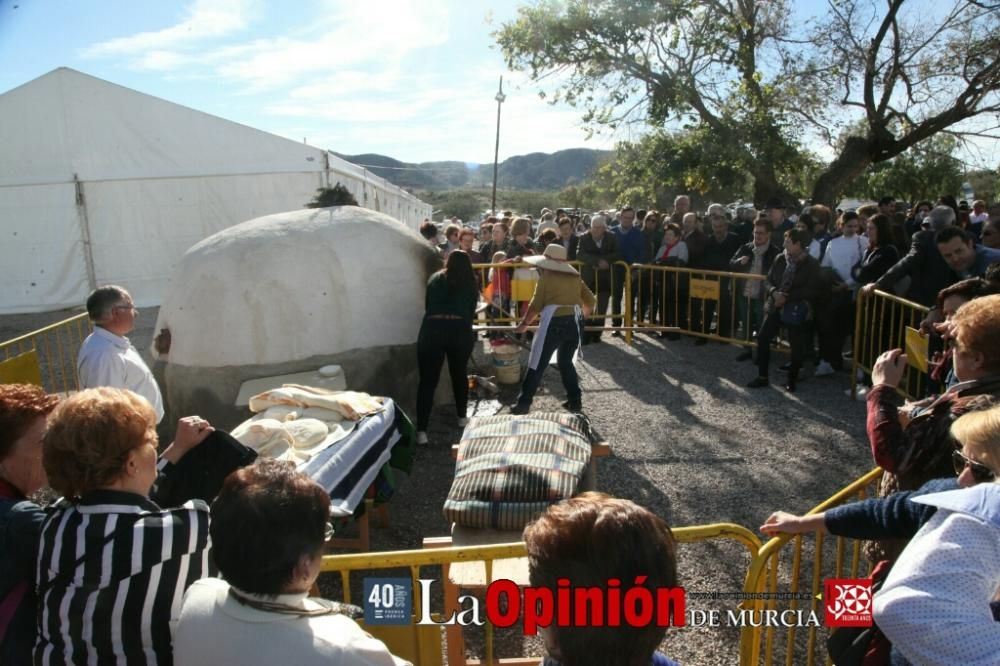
463	421
860	390
824	369
745	355
573	406
520	409
758	382
421	438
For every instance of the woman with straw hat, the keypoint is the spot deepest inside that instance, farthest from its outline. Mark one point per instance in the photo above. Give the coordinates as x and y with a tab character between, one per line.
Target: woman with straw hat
561	299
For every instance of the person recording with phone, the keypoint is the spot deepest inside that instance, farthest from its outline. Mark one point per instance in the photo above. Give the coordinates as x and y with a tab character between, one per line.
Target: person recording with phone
913	446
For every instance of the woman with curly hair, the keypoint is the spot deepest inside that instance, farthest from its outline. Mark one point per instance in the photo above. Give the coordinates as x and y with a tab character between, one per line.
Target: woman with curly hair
111	563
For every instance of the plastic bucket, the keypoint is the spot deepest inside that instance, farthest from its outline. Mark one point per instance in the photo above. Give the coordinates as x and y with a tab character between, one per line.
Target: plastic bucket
507	364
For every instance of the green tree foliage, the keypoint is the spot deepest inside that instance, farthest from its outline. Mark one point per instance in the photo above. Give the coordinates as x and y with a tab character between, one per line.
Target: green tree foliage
760	84
986	184
338	195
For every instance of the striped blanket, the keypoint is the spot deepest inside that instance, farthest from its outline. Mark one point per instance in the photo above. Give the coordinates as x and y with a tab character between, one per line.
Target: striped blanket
379	445
510	468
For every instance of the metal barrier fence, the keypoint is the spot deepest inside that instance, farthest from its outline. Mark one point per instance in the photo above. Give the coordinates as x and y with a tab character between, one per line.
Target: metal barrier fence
422	644
792	563
693	299
46	357
884	322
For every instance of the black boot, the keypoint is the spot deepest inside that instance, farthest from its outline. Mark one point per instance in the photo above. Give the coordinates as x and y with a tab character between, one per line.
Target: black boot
793	378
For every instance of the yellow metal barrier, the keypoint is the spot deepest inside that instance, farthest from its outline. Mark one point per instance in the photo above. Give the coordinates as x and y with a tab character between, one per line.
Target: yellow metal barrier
46	357
884	322
691	299
422	644
801	566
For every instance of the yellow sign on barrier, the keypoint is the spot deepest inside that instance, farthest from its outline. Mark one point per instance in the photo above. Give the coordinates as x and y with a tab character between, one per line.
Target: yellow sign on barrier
21	369
916	349
705	289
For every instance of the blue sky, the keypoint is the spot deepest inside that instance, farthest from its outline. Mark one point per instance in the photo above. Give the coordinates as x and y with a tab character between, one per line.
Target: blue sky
413	79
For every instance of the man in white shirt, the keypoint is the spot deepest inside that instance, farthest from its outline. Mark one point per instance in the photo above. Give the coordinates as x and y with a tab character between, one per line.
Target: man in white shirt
842	254
106	357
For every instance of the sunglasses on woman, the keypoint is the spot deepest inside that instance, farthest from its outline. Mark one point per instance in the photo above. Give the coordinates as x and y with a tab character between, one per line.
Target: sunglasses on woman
980	473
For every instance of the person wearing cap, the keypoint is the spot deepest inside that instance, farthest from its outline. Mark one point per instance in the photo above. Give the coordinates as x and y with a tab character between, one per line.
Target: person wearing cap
775	210
562	299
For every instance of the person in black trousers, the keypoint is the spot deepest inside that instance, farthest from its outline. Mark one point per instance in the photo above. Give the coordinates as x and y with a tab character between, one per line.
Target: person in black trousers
446	331
791	285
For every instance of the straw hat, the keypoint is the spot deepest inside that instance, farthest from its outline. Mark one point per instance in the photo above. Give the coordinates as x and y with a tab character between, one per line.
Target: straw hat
553	259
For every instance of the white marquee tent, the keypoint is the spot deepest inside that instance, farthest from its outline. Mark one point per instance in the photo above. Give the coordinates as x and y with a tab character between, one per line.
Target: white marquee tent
100	184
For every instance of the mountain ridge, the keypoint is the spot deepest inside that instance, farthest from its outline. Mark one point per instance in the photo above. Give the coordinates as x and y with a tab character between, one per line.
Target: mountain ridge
534	171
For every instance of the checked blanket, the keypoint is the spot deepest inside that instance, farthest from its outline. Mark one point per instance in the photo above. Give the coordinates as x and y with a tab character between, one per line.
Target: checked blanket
510	468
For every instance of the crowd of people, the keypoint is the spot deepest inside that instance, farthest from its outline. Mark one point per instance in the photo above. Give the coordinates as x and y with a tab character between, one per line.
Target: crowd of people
809	266
942	256
125	568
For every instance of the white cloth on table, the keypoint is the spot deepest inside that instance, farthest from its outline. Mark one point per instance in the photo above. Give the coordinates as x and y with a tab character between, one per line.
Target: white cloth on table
348	467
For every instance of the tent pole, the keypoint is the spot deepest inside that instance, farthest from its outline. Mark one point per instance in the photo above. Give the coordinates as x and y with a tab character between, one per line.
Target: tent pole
88	248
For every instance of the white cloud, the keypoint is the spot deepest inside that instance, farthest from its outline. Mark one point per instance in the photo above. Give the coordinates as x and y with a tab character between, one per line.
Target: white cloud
206	19
342	34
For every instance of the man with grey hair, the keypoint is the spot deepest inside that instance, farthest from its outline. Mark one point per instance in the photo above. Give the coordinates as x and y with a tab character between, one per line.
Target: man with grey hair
682	206
923	265
598	251
548	222
106	357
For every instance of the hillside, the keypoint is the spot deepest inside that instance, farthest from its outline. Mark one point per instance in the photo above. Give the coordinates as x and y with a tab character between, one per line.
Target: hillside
536	171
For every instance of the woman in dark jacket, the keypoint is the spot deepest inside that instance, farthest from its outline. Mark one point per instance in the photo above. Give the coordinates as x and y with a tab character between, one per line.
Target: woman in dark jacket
791	291
24	410
881	255
446	331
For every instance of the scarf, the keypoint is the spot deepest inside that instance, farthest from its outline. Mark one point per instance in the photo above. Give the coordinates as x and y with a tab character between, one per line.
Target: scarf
789	275
667	249
753	289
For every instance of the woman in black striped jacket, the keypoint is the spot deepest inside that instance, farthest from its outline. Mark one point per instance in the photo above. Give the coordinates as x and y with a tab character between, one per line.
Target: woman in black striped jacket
113	565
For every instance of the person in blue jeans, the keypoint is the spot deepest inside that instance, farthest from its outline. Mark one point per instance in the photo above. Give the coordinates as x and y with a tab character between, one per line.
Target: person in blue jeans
562	299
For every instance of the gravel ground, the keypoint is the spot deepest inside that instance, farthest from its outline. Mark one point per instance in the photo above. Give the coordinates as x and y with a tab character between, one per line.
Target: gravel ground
688	440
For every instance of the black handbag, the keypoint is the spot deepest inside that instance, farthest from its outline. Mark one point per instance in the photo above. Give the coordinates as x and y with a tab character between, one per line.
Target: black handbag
794	314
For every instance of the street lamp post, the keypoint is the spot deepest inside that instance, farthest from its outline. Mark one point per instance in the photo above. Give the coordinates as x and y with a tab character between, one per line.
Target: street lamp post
496	151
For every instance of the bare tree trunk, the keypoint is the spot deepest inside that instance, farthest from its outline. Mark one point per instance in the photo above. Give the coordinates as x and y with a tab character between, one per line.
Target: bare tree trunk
852	161
766	185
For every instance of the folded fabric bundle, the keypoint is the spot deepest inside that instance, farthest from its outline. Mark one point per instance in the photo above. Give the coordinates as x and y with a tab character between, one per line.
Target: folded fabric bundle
510	468
350	404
